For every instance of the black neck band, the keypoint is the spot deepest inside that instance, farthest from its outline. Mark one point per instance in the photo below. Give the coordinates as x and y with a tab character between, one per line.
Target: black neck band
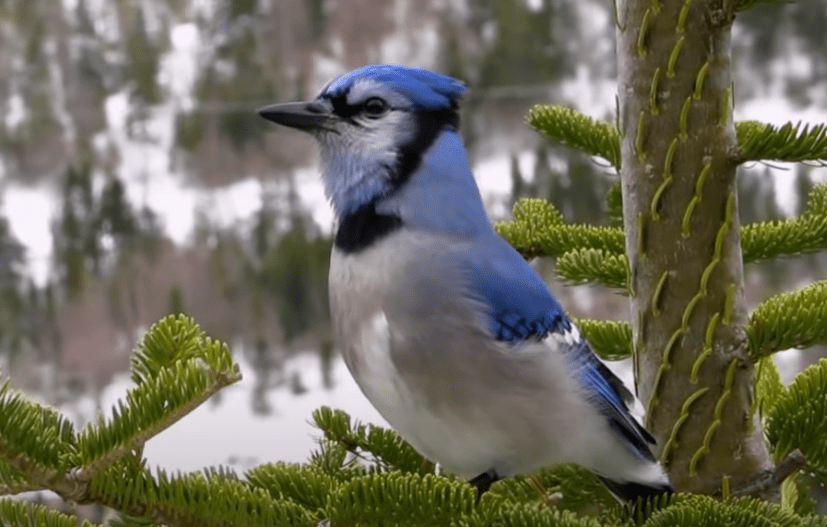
360	229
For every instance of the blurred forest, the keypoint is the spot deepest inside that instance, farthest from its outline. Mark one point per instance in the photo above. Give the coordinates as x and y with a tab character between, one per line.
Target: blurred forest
85	84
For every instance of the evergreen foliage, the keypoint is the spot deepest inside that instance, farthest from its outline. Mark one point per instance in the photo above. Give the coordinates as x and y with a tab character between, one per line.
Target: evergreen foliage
768	385
381	447
791	142
804	234
176	367
538	229
22	514
798	419
789	320
610	339
361	474
581	266
572	128
745	512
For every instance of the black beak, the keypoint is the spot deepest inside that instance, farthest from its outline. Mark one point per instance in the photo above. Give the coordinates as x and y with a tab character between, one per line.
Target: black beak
306	116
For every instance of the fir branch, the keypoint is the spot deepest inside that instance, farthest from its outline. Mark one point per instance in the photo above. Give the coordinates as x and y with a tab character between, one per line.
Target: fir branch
610	339
403	499
35	441
306	485
176	368
12	481
42	451
575	489
24	514
538	515
582	266
377	445
335	460
807	233
213	498
150	409
768	386
128	520
699	510
572	128
791	142
614	202
797	319
177	339
772	479
538	229
764	240
798	420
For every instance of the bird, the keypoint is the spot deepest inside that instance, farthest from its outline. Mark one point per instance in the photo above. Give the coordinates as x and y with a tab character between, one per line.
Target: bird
449	332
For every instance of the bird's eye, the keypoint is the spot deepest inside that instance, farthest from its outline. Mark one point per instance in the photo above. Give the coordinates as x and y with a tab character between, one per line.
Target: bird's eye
374	107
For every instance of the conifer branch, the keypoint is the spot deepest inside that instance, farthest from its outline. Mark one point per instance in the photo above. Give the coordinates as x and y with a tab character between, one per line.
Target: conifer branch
796	319
572	128
37	444
307	485
572	488
772	479
594	265
12	481
176	368
614	202
757	141
213	498
610	339
700	510
798	420
150	409
597	254
374	444
791	142
768	385
538	229
24	514
404	499
335	460
804	234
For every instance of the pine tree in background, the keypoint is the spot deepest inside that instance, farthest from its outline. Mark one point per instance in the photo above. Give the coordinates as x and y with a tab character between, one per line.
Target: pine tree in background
77	250
703	366
12	297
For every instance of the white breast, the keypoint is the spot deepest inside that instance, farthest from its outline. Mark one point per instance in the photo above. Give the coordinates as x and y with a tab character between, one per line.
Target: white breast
472	404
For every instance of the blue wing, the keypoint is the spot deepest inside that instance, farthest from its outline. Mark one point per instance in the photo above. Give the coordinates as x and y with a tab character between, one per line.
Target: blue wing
521	307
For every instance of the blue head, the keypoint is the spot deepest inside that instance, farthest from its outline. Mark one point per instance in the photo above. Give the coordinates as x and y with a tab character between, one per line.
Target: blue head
373	125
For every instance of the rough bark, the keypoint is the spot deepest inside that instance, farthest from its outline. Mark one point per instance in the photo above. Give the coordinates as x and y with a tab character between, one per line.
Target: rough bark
681	220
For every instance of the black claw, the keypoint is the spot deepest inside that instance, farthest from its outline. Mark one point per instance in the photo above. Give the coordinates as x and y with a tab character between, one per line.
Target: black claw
484	481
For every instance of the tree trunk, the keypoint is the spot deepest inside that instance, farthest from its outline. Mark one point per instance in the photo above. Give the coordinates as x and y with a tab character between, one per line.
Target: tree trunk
680	210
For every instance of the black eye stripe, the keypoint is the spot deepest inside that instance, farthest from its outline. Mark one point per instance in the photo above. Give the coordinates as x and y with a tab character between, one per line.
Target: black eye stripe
343	109
348	111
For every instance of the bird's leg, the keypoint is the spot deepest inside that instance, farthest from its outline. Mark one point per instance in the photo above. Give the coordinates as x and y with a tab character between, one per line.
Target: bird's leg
483	482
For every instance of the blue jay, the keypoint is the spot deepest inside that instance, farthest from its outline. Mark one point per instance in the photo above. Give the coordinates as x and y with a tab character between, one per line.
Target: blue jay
450	334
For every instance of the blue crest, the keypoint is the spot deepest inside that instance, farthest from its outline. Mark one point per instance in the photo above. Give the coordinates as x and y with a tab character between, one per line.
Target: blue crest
425	88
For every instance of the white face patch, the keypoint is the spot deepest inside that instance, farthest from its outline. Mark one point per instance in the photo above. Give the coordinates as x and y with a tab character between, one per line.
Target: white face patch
361	156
